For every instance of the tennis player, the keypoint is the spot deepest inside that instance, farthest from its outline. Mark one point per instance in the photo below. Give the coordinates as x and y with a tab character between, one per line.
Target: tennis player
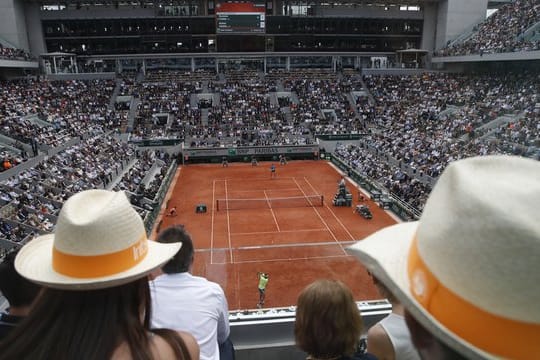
263	281
272	171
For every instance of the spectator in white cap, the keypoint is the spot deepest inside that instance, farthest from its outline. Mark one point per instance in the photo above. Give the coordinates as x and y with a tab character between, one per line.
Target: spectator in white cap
467	271
96	302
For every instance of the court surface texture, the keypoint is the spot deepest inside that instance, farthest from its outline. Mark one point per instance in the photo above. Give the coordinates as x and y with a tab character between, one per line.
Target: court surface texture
291	241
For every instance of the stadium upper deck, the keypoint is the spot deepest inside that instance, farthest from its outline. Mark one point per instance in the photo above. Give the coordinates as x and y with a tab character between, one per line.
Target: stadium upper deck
203	34
209	26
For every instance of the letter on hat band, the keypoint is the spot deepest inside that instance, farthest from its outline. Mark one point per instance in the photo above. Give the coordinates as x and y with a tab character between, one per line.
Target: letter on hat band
492	333
99	265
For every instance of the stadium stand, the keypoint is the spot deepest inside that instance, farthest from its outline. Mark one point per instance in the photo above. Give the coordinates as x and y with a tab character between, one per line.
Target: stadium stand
321	74
504	31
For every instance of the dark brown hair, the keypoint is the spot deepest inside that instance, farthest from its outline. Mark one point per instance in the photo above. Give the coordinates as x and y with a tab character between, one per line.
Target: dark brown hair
328	322
86	325
182	260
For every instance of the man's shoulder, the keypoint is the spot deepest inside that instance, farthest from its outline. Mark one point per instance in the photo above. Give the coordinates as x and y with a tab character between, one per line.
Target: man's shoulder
210	284
189	280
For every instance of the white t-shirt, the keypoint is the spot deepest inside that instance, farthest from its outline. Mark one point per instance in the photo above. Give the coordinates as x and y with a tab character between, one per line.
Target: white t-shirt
192	304
399	335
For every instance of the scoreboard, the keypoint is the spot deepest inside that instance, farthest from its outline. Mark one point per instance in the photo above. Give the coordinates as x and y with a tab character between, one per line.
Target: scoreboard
240	22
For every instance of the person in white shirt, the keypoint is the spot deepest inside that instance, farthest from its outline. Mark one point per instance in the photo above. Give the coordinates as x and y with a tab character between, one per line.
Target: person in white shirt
189	303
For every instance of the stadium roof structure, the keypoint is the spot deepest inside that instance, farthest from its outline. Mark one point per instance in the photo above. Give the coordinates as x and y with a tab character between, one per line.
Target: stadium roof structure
413	51
491	3
58	53
185	2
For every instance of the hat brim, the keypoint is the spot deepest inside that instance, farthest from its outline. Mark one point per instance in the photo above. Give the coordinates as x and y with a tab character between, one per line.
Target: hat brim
385	255
34	262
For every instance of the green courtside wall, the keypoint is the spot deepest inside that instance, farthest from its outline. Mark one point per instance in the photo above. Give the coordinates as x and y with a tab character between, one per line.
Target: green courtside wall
270	153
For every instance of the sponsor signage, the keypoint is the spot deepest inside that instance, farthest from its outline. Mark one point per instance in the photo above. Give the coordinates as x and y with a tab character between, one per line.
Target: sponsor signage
246	151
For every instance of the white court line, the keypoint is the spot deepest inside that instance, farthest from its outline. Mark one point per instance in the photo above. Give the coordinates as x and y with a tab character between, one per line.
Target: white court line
289	259
212	227
297	245
271	210
331	211
282	231
273	246
257	179
259	190
320	217
228	223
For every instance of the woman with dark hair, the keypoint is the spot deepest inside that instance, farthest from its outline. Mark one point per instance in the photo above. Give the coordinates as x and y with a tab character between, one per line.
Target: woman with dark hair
96	298
328	323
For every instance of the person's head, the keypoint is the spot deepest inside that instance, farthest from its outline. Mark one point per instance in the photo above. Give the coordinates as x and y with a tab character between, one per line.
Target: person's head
465	271
19	292
182	261
328	321
94	271
98	320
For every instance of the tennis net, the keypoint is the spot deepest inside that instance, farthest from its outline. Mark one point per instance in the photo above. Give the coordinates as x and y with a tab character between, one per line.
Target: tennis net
270	203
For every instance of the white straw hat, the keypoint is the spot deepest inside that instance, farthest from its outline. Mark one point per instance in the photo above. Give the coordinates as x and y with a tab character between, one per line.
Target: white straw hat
469	270
99	242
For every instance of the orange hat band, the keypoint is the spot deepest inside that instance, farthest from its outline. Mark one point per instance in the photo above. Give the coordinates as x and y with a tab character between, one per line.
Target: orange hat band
492	333
99	265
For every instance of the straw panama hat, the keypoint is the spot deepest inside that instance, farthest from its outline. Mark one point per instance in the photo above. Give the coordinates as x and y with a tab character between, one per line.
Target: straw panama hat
469	269
99	242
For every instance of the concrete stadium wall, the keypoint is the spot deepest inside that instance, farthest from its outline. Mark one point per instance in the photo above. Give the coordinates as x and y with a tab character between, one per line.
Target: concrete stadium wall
429	31
456	15
83	76
362	11
396	71
512	56
441	19
18	64
36	40
13	23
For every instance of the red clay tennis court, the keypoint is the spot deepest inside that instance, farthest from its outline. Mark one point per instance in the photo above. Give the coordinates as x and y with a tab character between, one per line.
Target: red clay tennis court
285	226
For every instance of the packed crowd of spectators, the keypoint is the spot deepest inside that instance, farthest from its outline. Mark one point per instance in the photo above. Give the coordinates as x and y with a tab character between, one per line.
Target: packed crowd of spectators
245	112
9	159
324	106
30	200
417	126
10	53
525	131
164	110
65	109
501	32
390	177
411	126
143	180
244	115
